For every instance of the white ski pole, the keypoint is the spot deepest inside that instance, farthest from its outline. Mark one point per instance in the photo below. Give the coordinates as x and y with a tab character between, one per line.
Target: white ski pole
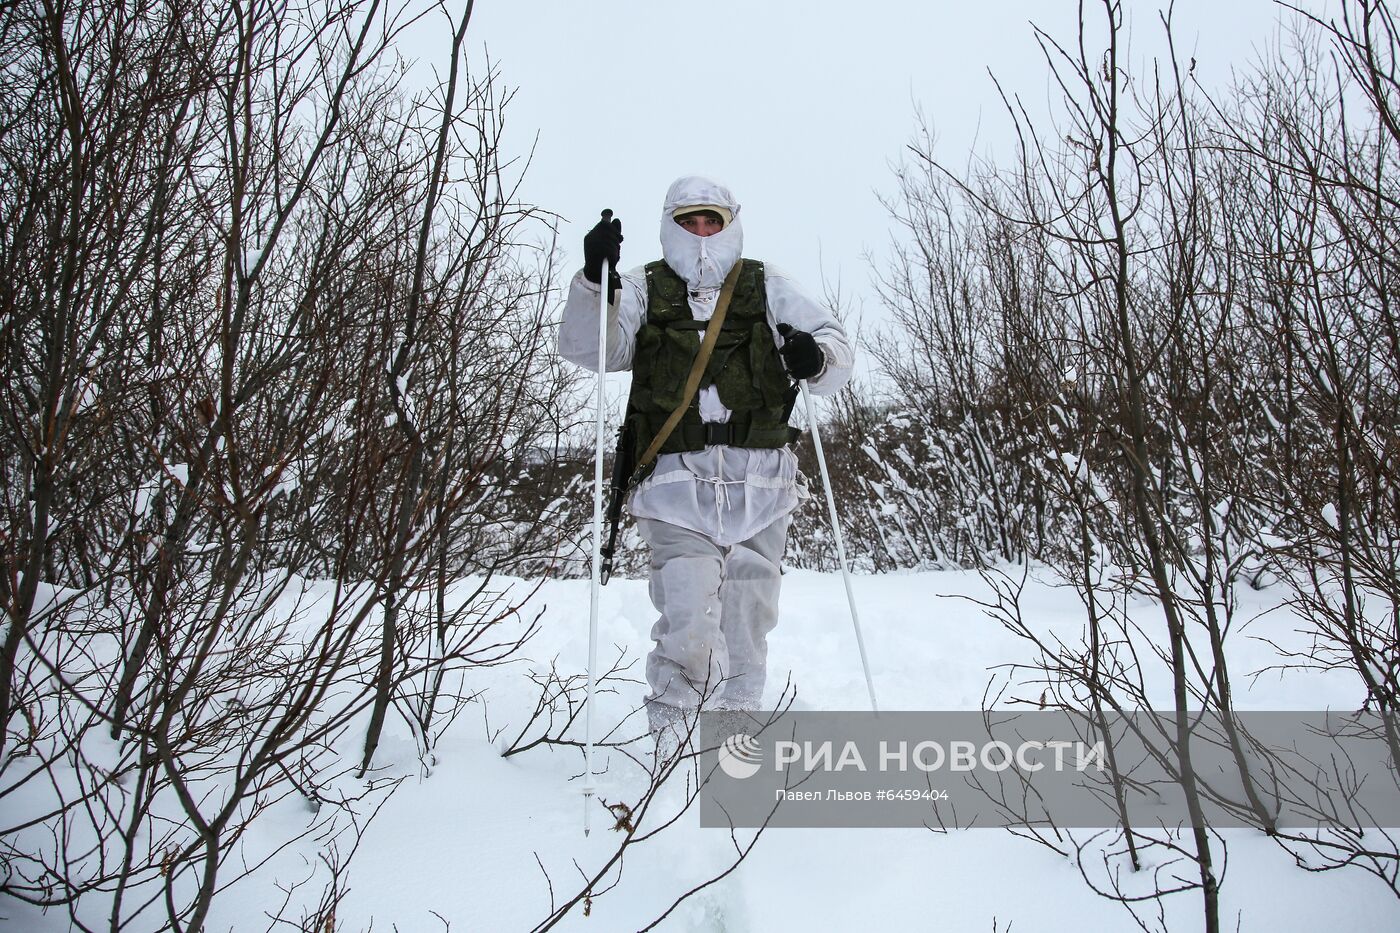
597	552
840	542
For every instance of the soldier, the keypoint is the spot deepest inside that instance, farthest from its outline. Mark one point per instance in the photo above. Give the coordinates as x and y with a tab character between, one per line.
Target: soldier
716	503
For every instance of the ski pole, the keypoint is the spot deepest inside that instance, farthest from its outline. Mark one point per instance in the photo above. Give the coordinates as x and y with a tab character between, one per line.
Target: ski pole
597	583
840	543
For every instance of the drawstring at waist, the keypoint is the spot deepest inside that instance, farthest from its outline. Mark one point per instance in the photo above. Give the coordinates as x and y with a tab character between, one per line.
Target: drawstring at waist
721	496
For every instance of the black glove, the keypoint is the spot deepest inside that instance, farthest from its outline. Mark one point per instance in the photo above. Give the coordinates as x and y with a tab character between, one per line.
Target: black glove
604	241
801	354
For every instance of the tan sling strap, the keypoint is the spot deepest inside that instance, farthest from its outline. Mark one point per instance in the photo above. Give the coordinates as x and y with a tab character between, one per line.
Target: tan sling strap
692	382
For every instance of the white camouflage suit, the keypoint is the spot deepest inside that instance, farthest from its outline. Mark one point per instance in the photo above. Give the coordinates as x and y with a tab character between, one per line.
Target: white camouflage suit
716	519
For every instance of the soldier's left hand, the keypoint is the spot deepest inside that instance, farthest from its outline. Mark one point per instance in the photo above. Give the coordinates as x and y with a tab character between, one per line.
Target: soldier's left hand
801	354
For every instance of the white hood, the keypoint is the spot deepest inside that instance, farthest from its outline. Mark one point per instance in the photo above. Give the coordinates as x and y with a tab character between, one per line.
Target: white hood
703	261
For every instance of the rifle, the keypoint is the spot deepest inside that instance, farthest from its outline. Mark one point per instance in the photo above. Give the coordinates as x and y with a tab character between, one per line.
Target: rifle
623	467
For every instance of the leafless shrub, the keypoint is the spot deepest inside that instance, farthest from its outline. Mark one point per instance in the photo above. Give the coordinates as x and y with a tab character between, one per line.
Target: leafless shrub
1165	329
274	340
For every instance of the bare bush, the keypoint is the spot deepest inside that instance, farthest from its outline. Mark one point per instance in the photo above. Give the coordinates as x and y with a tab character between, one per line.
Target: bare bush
1156	352
273	338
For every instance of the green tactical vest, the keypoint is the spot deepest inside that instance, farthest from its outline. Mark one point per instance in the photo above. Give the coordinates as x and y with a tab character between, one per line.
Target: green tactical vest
745	367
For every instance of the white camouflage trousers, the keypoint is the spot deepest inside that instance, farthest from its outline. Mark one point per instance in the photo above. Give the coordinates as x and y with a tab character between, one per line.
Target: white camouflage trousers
717	606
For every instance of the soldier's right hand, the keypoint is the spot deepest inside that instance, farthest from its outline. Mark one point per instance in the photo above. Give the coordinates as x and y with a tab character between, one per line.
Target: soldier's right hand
604	241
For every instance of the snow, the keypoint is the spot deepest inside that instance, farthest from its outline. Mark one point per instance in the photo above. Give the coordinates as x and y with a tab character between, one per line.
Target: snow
466	839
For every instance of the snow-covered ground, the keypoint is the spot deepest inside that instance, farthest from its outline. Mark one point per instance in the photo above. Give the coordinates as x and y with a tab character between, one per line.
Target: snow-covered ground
479	841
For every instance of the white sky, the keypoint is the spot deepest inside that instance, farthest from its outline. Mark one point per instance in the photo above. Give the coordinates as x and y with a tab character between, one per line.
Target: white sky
798	106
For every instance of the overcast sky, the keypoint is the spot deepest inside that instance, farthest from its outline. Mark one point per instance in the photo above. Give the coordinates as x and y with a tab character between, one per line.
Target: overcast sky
798	106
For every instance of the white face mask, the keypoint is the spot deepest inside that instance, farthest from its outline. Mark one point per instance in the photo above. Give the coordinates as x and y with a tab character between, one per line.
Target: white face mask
702	261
